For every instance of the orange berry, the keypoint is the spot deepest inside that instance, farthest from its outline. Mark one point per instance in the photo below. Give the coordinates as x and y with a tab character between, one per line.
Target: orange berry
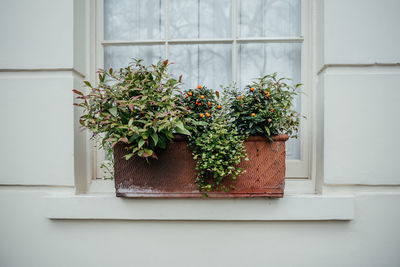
253	114
186	96
198	86
208	114
269	120
199	104
187	112
202	97
209	103
187	108
219	107
272	110
189	93
240	98
252	89
201	115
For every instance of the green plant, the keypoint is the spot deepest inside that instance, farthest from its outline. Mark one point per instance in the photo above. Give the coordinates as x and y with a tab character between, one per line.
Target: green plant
137	106
142	107
107	166
217	146
265	107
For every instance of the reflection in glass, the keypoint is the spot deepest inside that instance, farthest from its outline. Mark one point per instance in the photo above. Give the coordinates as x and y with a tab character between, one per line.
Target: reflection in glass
258	59
200	19
270	18
209	65
117	57
133	19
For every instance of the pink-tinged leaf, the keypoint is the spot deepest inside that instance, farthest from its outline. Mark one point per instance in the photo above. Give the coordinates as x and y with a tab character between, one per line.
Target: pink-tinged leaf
165	62
77	92
124	139
180	78
145	155
131	107
154	156
136	97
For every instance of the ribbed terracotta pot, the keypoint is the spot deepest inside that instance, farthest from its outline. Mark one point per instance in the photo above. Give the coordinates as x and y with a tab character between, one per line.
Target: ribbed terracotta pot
173	174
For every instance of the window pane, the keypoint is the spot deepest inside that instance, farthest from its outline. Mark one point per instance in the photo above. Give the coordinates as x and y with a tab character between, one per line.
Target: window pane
209	65
258	59
270	18
120	56
133	19
200	19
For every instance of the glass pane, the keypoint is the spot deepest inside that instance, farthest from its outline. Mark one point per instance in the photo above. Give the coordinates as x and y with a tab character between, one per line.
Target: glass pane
270	18
120	56
258	59
200	19
133	19
209	65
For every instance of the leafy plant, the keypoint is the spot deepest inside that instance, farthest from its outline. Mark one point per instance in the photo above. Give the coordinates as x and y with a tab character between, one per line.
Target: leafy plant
217	146
265	107
137	106
142	107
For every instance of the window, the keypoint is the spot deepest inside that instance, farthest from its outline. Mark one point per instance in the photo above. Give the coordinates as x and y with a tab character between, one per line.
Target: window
214	42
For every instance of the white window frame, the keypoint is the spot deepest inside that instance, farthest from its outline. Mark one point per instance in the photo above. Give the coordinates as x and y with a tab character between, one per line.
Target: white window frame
300	174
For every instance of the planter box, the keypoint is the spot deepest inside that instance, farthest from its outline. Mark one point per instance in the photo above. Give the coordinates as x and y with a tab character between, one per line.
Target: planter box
173	174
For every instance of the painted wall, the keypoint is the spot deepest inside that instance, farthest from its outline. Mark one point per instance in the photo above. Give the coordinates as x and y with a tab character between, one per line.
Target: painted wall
43	57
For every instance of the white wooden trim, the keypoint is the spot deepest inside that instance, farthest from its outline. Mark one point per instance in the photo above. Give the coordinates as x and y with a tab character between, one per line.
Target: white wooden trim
290	208
204	41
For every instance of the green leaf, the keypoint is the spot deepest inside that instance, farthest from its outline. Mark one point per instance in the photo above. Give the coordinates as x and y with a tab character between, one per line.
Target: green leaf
182	131
267	130
180	128
162	142
133	138
154	136
113	111
88	83
148	151
141	143
179	124
128	156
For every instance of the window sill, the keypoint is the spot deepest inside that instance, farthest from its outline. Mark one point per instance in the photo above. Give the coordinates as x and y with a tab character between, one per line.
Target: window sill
289	208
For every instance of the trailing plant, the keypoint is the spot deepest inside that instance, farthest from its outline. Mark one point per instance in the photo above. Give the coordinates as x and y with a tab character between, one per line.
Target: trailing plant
265	107
217	146
137	106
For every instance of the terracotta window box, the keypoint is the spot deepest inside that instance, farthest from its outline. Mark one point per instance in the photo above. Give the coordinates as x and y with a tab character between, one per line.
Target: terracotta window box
173	174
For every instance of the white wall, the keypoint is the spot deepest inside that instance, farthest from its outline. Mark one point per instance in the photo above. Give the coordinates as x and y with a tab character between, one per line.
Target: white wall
362	31
42	152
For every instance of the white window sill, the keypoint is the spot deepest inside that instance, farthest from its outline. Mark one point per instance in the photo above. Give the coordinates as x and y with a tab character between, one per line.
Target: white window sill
108	207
